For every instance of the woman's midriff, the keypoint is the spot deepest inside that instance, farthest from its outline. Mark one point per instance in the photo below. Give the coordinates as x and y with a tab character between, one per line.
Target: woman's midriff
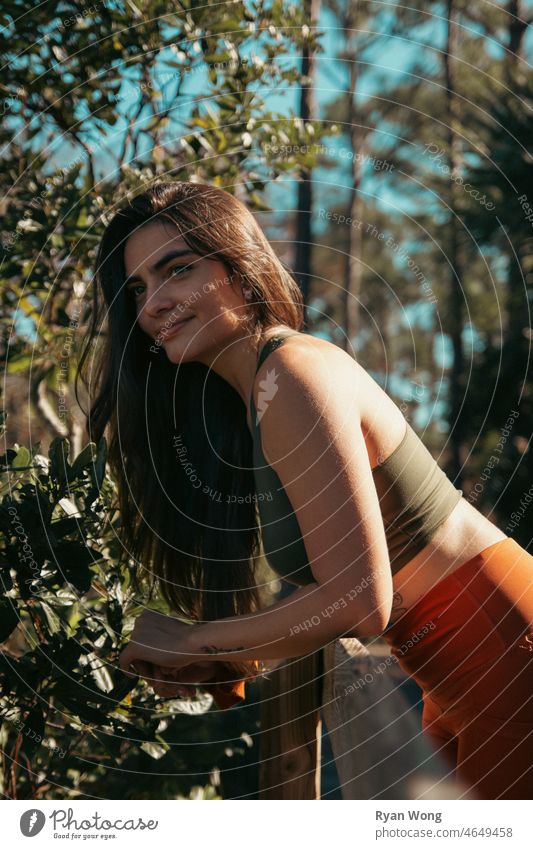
464	534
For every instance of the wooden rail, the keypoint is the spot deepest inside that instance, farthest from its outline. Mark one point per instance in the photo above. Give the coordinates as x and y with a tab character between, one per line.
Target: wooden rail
375	735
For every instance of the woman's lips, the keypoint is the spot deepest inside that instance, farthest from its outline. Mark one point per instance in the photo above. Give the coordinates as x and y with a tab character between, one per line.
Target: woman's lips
167	332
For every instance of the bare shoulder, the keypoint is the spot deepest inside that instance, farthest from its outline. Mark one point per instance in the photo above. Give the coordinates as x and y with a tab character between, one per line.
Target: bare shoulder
309	359
304	384
308	382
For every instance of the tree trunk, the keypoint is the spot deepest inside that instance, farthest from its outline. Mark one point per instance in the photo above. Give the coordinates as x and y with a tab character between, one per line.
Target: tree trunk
303	248
352	263
456	296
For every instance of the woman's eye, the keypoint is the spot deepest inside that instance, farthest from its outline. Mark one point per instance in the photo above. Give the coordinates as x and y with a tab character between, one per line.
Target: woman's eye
178	269
174	271
135	291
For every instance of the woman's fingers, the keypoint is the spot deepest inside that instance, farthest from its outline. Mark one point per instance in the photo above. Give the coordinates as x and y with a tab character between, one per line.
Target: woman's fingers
181	682
152	634
195	673
126	662
165	683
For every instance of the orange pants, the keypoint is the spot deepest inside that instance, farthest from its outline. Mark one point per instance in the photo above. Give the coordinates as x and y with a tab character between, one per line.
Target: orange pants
468	643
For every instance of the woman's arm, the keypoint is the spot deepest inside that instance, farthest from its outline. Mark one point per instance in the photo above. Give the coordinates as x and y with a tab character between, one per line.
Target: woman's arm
303	622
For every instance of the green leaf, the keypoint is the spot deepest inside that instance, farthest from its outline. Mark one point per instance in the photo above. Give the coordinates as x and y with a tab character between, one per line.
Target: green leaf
100	673
58	454
23	458
155	750
84	458
53	620
22	363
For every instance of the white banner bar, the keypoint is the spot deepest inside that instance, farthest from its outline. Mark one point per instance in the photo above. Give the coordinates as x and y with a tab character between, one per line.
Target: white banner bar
353	823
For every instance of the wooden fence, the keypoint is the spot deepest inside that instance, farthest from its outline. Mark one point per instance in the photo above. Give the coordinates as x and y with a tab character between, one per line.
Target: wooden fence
375	734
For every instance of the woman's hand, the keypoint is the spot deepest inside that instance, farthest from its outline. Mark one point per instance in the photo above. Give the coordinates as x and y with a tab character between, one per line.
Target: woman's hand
158	640
172	683
160	651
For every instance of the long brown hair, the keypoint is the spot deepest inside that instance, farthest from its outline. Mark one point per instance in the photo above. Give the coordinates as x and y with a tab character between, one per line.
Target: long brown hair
188	541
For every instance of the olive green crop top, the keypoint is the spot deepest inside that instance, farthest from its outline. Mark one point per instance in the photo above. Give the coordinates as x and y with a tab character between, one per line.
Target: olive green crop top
415	498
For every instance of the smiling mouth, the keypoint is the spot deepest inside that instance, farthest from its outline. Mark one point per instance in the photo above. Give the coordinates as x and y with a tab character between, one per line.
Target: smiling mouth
166	332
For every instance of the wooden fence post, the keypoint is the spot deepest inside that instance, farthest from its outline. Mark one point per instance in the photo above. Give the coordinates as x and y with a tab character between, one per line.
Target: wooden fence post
291	730
376	738
379	749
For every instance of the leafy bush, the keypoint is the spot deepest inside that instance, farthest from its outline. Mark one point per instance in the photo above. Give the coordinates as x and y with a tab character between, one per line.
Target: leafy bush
73	725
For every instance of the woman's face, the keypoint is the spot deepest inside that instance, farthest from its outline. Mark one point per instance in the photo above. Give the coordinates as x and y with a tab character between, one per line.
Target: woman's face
187	304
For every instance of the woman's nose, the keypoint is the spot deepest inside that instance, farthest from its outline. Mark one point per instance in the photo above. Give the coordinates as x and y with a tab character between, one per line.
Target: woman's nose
158	300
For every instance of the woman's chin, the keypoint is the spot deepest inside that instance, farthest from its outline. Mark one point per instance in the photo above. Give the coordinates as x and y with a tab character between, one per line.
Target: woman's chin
177	352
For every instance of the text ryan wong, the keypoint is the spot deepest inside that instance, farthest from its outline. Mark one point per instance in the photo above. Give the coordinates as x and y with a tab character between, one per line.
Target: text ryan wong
383	816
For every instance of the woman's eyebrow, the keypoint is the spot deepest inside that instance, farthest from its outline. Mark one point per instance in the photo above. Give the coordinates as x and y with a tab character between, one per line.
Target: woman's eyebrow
162	262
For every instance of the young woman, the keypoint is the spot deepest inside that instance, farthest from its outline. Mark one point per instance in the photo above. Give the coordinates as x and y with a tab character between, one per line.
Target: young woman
220	413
